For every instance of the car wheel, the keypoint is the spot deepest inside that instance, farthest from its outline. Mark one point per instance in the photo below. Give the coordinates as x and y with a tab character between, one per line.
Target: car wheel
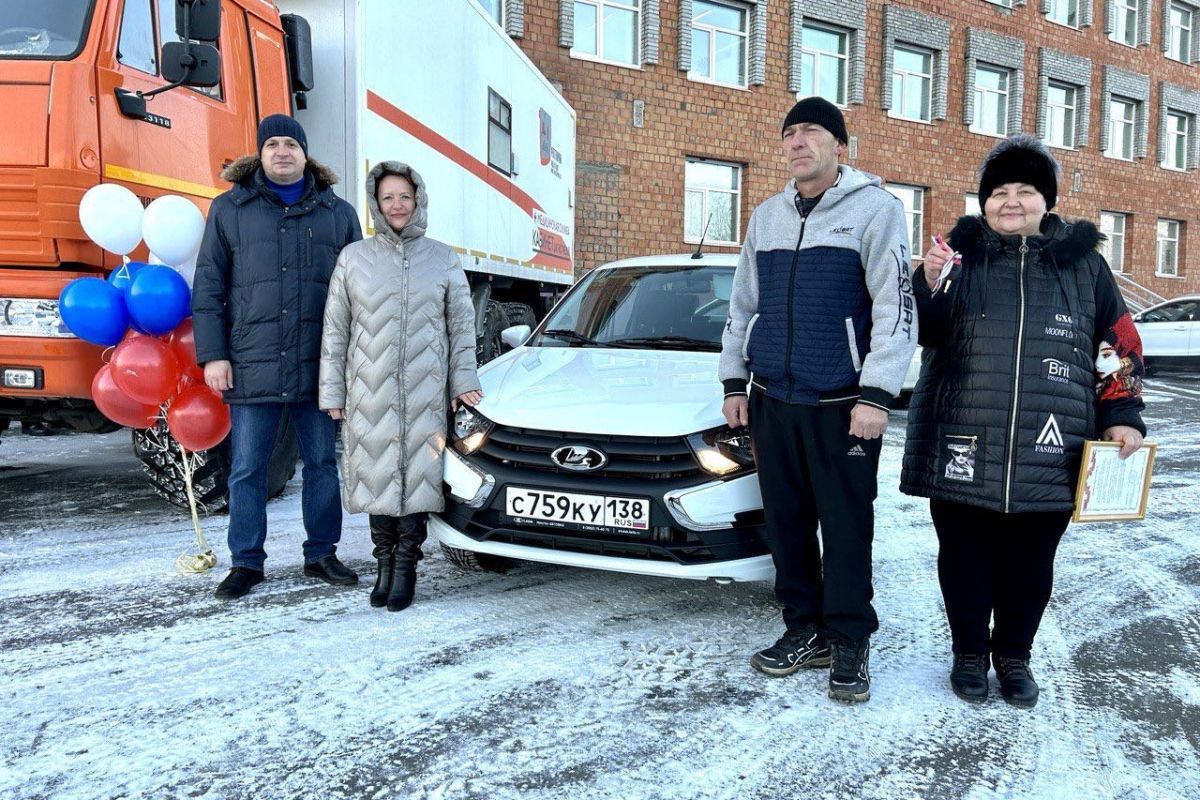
469	561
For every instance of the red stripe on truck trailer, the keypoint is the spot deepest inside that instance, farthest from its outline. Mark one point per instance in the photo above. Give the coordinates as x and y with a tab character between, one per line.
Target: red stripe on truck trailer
426	135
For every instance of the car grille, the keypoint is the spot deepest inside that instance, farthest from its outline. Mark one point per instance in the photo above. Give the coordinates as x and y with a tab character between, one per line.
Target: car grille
638	457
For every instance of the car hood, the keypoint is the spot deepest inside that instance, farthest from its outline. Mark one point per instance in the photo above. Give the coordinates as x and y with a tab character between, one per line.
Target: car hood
606	391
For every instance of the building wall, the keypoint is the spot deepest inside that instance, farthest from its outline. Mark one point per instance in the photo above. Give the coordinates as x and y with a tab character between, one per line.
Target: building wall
630	179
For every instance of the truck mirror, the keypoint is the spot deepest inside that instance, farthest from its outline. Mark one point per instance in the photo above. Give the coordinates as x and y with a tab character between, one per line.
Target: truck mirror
191	64
298	37
198	19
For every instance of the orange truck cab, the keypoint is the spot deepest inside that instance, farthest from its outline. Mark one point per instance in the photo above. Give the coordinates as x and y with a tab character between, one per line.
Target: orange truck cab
70	76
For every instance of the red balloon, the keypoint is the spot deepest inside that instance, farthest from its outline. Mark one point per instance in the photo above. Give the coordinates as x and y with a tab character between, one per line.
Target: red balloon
146	369
118	406
198	419
192	376
183	342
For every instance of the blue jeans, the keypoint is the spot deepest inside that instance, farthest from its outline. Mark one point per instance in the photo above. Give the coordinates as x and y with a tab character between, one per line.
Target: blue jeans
252	440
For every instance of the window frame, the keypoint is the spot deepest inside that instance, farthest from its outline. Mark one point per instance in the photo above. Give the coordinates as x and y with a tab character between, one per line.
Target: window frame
924	53
704	204
495	123
1073	128
638	9
1121	9
712	30
1172	134
501	10
1055	5
1113	235
1112	121
916	213
843	35
152	8
1160	240
1185	57
984	93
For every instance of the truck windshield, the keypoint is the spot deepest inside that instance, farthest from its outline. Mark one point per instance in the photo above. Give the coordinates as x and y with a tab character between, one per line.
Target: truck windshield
657	308
43	29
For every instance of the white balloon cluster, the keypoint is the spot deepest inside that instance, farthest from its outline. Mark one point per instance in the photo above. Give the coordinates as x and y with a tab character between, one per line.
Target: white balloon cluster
172	226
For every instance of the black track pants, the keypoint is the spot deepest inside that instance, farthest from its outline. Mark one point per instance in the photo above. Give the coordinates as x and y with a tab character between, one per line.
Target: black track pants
813	472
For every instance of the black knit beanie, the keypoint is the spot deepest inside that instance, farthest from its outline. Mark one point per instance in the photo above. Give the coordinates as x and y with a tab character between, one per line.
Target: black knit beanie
1021	158
821	112
281	125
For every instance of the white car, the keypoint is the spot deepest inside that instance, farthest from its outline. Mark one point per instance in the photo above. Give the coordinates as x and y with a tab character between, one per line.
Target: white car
600	441
1170	332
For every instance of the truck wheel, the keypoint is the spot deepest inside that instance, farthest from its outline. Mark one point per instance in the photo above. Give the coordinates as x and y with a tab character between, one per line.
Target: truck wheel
489	345
469	561
520	314
209	480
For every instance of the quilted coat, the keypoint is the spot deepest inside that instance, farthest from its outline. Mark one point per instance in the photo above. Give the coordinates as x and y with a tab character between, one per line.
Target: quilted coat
398	343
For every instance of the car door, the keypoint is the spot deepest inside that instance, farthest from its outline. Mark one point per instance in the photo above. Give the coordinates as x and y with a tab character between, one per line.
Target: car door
1166	329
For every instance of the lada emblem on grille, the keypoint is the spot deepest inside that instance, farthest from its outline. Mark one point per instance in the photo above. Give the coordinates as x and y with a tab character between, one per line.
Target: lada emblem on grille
579	458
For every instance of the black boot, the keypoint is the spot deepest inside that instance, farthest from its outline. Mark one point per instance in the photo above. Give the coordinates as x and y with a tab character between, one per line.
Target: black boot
969	677
1017	685
411	532
383	536
849	677
238	583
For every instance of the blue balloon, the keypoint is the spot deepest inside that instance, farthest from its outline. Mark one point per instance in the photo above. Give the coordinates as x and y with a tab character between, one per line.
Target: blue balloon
122	276
94	311
158	299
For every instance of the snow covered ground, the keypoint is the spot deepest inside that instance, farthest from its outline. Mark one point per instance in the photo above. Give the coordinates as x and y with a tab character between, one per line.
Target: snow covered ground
122	679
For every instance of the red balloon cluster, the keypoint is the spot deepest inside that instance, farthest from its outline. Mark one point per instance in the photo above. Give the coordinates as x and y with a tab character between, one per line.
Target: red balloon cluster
146	372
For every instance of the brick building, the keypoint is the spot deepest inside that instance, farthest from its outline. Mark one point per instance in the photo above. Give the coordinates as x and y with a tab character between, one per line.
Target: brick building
679	104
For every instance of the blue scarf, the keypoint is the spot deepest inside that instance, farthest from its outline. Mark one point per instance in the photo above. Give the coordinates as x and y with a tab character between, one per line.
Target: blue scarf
289	195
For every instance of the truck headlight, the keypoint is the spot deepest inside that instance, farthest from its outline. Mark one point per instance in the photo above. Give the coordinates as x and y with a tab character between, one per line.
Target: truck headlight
21	316
723	451
470	430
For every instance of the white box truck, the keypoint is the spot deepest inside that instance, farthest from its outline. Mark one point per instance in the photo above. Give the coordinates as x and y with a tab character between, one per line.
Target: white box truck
442	87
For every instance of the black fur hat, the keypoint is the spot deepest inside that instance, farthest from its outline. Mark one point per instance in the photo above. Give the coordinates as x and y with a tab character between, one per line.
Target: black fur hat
1021	158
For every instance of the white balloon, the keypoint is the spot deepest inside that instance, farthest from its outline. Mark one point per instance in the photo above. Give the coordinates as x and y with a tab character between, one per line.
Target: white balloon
186	269
111	216
173	228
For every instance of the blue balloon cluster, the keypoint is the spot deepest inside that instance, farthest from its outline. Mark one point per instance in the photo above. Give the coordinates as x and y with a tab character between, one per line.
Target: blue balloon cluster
152	299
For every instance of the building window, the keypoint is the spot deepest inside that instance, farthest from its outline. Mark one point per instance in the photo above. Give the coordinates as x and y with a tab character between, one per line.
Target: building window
608	30
991	101
1061	103
824	56
1124	28
1064	12
712	200
1178	133
499	133
971	204
1168	248
1122	116
719	42
495	9
913	200
1179	34
912	84
1112	225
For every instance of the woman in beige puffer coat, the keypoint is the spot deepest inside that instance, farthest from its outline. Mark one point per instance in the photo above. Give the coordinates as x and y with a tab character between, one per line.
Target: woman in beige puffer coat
398	343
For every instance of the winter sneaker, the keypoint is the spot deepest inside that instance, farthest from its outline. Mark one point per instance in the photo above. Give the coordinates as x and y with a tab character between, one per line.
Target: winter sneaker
849	679
969	677
332	571
1017	685
238	583
794	650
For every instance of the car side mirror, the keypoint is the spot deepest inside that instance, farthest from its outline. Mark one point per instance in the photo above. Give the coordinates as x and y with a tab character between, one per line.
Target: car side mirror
198	19
191	64
515	336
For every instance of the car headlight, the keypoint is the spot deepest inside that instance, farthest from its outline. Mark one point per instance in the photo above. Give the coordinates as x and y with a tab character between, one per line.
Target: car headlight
723	451
31	317
470	430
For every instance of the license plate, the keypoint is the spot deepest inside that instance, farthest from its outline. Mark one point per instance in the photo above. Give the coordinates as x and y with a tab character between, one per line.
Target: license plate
561	509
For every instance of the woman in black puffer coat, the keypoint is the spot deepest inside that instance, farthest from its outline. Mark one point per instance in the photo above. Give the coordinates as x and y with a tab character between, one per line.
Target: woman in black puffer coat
1029	352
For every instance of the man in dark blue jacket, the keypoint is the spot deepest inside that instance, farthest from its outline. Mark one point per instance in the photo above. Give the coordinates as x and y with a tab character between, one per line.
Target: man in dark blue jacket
258	303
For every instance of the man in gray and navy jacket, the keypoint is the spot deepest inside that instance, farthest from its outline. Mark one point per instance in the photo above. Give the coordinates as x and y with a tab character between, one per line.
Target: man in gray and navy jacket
822	326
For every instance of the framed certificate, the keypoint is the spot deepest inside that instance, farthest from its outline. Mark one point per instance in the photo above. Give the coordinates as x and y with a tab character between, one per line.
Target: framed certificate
1112	489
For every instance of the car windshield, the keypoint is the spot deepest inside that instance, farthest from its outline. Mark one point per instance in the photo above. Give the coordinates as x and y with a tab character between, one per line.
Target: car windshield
658	308
44	29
